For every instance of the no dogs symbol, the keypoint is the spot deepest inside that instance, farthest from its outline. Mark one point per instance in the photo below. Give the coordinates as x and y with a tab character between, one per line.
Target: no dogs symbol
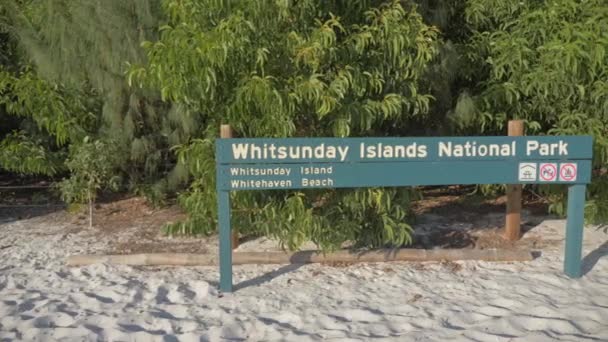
548	172
567	172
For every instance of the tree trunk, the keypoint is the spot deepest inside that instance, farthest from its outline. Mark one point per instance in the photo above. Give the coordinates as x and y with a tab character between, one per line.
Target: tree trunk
90	210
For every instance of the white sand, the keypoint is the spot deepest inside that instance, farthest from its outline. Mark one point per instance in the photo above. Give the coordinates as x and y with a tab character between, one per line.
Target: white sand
42	300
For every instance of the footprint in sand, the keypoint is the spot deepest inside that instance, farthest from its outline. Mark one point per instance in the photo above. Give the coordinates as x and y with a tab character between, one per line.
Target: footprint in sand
59	319
181	293
359	315
105	297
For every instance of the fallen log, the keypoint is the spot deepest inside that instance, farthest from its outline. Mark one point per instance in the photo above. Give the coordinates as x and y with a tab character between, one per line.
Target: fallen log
304	257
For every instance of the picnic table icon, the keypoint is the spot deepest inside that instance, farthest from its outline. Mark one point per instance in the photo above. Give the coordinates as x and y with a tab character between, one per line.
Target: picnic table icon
527	172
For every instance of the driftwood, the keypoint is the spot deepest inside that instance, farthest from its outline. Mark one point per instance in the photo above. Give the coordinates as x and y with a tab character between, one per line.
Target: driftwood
304	257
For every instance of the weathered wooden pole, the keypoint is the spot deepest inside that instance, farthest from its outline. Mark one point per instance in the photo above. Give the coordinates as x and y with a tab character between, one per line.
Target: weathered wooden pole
226	132
513	218
305	257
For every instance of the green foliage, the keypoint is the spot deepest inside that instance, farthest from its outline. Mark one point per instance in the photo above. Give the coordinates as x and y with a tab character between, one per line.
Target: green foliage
544	62
153	80
81	44
19	154
46	118
61	112
368	217
91	164
596	209
307	68
199	201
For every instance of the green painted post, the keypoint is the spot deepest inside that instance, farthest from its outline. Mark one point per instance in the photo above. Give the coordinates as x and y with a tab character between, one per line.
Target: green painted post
574	230
223	212
223	208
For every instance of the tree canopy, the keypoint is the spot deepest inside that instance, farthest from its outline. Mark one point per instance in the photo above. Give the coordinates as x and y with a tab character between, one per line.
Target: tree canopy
155	79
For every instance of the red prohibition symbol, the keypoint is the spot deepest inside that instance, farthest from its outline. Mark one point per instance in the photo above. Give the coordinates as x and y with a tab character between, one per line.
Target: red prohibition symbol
548	172
568	172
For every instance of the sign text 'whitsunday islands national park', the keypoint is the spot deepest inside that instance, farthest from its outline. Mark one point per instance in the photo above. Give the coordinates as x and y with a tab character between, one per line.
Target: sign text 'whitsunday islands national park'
249	164
339	153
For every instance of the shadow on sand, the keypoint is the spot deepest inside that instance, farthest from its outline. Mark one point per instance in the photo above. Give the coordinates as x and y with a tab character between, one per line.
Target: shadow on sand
592	258
264	278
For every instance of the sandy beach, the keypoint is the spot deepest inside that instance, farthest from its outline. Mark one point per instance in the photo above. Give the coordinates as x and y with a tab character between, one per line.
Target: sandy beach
43	300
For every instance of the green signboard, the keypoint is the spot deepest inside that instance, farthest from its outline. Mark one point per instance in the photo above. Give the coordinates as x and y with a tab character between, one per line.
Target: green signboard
299	163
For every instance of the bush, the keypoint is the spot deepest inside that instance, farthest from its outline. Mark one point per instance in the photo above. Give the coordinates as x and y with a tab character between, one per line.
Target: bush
280	69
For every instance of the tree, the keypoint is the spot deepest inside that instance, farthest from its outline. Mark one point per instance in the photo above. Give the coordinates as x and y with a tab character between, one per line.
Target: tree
544	62
37	118
85	45
306	68
76	69
91	164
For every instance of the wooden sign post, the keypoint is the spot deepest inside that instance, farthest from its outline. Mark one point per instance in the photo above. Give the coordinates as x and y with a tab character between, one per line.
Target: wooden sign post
513	217
303	163
226	133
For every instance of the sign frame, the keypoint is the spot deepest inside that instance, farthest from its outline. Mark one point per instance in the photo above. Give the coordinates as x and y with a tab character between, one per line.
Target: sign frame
403	163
